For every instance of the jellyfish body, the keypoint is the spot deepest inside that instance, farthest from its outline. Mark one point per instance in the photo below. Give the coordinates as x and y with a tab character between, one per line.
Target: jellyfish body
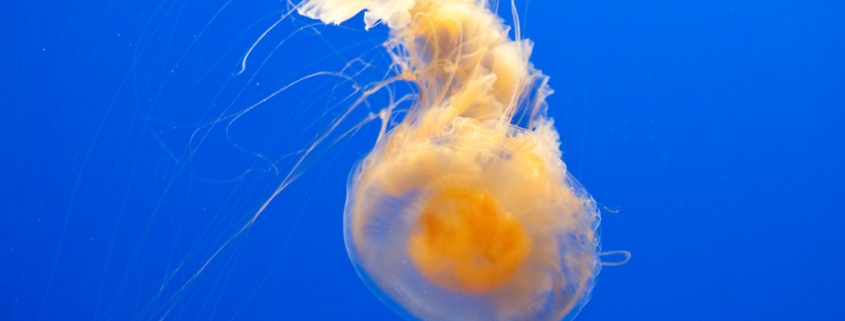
458	213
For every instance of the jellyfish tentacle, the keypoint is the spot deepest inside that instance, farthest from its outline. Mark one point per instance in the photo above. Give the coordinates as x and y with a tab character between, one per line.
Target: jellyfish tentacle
625	257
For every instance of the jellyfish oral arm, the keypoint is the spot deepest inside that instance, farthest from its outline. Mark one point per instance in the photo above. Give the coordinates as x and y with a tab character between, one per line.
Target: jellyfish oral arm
394	13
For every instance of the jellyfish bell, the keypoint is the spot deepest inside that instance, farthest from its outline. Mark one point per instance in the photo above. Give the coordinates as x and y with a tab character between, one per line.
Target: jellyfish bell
458	213
472	227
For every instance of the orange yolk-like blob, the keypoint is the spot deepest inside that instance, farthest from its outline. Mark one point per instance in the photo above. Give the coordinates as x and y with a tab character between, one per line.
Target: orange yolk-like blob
464	241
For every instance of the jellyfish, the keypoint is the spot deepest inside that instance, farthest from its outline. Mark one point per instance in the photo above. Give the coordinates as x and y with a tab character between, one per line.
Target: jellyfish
464	210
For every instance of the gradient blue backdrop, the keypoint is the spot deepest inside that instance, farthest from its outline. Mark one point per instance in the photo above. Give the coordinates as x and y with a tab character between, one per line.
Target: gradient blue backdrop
715	128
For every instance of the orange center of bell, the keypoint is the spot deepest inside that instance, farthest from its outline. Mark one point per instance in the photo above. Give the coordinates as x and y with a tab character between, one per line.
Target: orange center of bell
464	241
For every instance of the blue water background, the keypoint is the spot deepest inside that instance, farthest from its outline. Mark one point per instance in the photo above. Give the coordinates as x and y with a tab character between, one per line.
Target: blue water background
710	132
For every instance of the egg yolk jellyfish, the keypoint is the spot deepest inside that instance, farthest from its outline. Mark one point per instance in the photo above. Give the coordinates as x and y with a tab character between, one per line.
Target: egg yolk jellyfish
462	210
459	213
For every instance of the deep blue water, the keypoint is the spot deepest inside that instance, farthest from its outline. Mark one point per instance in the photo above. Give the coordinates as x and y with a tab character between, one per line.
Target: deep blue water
711	133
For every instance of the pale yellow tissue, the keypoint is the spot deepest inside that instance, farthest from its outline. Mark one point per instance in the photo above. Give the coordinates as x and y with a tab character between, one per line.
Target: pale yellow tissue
393	12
